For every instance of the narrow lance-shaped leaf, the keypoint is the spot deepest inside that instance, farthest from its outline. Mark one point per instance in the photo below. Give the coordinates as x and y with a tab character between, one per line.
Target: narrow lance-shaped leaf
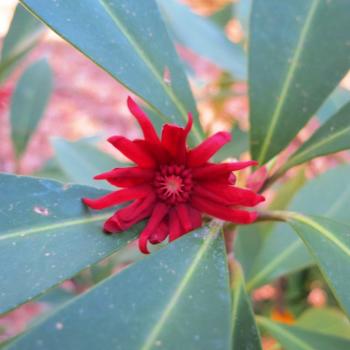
287	77
282	251
326	320
23	34
331	137
81	161
204	38
329	243
128	39
47	236
335	101
298	338
177	298
245	335
28	103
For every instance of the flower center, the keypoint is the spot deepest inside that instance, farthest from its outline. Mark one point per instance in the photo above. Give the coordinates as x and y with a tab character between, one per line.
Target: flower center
173	183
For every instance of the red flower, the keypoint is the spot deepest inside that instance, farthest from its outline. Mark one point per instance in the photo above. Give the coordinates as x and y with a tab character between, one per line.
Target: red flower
172	185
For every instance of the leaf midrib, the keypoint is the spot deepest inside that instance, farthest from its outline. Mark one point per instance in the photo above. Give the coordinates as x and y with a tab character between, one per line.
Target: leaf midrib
43	228
156	330
288	81
149	64
296	158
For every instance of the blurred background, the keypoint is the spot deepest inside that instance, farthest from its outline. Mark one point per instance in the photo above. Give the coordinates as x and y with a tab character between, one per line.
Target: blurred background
86	106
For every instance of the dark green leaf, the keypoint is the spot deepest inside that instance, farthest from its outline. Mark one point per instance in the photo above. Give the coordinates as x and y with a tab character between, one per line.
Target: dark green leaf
329	243
47	235
204	38
222	16
288	80
28	103
81	161
178	298
245	335
282	251
128	39
297	338
23	34
333	136
325	320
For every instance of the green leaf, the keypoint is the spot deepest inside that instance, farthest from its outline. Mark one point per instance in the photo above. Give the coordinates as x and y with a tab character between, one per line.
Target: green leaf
128	39
28	103
333	104
47	235
245	335
81	161
177	298
329	243
297	338
287	77
222	16
23	34
282	251
325	320
235	148
333	136
204	38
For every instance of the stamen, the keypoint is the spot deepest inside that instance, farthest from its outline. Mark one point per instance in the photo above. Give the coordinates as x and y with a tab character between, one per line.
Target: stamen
173	183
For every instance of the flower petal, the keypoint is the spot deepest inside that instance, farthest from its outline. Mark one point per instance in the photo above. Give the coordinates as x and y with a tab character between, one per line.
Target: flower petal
159	212
126	177
183	213
174	139
118	197
212	170
133	151
126	217
159	234
148	130
175	229
222	212
203	152
229	195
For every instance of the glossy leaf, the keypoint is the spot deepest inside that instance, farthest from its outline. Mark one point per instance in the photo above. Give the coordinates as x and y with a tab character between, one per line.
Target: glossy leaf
47	236
23	34
128	39
177	298
28	103
333	136
81	161
338	99
325	320
245	334
283	252
329	243
204	38
297	338
287	76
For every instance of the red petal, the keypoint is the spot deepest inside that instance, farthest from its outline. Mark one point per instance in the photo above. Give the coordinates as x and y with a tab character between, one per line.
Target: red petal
229	195
159	234
159	211
118	197
222	212
148	130
126	177
184	216
126	217
203	152
196	218
212	170
174	139
133	151
175	230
